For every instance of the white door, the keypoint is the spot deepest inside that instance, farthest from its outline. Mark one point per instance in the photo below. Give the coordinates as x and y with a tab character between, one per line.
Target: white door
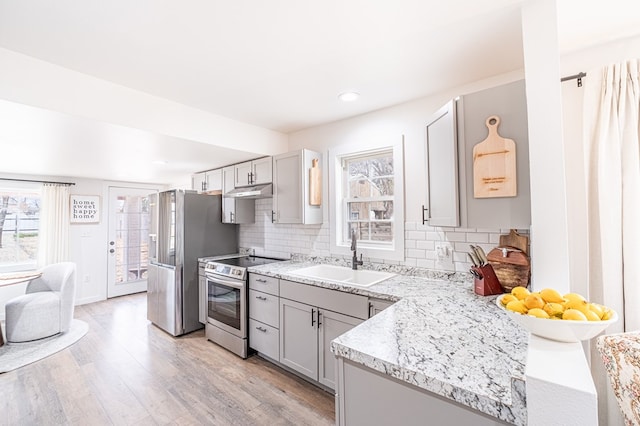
128	244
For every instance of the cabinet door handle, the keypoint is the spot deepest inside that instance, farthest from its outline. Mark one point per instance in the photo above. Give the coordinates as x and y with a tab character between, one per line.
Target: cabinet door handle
202	185
231	217
319	315
273	216
424	209
261	280
261	298
249	178
370	309
264	330
313	318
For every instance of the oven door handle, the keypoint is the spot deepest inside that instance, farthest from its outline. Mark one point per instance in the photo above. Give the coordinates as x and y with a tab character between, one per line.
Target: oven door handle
216	280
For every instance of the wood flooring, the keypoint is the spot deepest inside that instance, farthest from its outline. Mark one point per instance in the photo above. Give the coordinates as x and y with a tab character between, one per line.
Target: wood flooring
126	371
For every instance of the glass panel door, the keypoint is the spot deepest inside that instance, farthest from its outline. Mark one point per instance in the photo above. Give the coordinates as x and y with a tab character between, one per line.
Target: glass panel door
129	220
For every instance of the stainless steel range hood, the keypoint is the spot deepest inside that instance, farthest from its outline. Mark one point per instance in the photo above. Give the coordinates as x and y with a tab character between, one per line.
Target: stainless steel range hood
256	191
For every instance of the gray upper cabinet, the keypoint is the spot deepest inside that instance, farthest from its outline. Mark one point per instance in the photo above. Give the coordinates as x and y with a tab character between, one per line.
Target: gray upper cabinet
442	207
209	181
452	133
291	197
508	102
235	210
254	172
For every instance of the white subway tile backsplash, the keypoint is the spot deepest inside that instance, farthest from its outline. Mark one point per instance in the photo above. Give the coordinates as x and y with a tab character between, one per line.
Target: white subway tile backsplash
281	240
455	236
477	237
415	235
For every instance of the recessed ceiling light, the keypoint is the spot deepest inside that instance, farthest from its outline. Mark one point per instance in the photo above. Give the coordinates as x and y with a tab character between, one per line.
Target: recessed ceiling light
348	96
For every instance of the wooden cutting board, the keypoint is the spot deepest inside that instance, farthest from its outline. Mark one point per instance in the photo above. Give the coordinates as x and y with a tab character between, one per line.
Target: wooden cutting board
315	184
513	239
494	164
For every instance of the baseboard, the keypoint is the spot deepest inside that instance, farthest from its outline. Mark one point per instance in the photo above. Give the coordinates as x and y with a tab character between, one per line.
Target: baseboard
87	300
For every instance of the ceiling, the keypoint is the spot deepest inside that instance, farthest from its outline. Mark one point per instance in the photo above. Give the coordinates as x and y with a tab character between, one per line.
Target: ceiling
279	65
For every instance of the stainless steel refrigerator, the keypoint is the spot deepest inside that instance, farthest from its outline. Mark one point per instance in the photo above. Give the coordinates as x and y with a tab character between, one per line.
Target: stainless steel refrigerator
184	226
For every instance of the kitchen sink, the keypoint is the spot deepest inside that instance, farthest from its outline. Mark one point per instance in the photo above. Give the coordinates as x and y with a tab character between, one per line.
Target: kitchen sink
342	275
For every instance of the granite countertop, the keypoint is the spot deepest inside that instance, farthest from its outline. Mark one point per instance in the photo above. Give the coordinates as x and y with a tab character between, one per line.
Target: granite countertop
440	336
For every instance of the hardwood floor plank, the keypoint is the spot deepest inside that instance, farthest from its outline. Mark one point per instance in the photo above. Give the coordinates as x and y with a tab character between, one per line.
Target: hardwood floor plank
127	371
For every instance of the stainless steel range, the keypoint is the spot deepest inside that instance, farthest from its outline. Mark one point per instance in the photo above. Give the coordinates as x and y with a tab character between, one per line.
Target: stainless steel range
227	311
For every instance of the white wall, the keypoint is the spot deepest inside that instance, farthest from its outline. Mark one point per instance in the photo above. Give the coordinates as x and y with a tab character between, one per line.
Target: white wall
88	244
389	124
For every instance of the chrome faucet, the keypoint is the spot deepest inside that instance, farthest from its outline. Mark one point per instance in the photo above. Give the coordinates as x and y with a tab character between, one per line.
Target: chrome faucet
354	247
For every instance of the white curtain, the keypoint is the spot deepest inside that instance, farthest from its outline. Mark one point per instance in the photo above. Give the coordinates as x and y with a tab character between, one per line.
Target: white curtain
54	224
612	104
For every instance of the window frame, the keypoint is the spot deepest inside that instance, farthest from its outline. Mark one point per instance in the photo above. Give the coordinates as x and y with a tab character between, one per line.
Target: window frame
23	187
338	202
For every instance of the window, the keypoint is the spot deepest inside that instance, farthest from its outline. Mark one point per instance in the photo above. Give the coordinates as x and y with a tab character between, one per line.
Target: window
368	197
367	187
19	225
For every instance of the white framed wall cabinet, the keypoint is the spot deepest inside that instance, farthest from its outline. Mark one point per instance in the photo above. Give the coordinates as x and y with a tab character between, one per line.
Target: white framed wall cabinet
255	172
451	134
291	188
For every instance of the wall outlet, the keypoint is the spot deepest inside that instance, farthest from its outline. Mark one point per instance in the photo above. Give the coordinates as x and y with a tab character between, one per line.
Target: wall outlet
444	256
248	251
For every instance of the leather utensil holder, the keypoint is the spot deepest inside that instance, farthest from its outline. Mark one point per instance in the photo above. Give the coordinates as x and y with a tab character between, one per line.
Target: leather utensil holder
488	283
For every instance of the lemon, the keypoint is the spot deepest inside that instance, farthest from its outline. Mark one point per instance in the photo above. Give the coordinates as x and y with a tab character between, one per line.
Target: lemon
507	298
517	306
554	309
573	314
538	313
520	292
534	300
574	296
598	309
551	296
608	313
591	316
580	305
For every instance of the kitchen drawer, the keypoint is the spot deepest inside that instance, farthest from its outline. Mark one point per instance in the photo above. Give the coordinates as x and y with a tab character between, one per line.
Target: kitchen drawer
264	339
264	283
337	301
264	307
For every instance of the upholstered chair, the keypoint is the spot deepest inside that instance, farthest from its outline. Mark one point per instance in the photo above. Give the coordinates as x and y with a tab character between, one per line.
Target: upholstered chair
46	308
621	357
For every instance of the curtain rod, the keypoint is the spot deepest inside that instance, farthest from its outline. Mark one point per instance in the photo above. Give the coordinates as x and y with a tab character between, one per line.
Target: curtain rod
574	77
39	181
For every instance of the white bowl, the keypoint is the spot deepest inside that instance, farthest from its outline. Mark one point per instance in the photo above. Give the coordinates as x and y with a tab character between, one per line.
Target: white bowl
559	330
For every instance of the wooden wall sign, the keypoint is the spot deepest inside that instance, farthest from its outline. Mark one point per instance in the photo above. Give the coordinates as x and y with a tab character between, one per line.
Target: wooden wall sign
85	209
494	164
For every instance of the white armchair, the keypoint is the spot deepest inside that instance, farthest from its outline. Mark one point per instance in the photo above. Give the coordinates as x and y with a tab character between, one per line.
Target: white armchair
47	306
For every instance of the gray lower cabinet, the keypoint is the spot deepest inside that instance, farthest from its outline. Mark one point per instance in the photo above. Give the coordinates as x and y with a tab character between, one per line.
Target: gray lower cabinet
299	337
367	397
306	333
310	318
378	305
264	315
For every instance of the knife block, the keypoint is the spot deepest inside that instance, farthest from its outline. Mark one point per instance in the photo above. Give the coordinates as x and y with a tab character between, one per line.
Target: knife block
488	283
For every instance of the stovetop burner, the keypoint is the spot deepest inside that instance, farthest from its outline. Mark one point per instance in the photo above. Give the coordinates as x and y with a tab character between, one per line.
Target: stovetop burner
235	266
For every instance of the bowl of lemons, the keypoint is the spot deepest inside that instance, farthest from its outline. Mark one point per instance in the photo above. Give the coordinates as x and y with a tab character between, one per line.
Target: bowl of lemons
549	314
